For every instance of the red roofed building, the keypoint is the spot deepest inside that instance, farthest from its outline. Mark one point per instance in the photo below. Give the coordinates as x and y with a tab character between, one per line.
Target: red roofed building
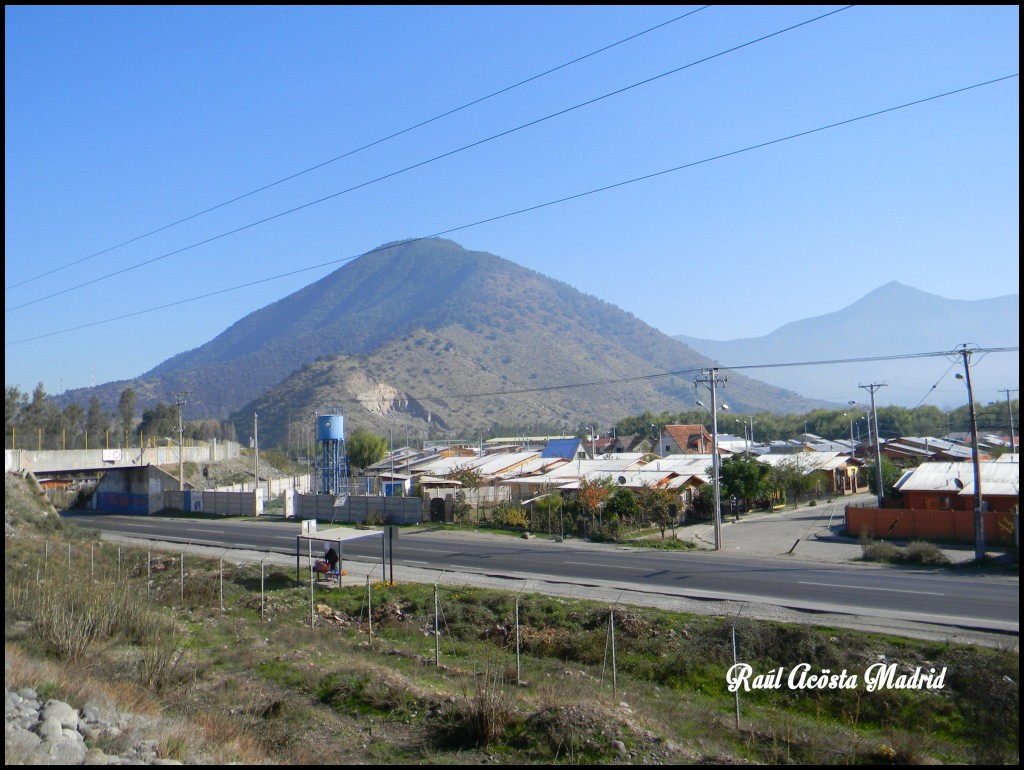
684	440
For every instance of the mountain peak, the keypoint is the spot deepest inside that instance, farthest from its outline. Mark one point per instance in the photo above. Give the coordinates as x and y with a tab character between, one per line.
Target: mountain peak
425	319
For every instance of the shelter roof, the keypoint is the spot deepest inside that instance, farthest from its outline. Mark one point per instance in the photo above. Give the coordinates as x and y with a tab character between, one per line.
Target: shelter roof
339	534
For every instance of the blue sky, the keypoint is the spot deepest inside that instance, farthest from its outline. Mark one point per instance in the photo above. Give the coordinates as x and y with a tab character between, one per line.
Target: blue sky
120	121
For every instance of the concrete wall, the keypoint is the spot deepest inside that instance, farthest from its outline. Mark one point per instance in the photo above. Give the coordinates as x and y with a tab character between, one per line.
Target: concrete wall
271	487
945	525
132	490
221	503
357	508
52	461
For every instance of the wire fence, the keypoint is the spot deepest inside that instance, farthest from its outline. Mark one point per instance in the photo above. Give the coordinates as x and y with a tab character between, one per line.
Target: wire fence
579	664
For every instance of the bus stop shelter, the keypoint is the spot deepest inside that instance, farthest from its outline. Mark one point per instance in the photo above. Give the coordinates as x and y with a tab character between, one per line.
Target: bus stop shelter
327	537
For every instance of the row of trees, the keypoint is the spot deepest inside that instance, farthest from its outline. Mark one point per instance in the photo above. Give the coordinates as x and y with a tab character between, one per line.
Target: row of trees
893	421
36	422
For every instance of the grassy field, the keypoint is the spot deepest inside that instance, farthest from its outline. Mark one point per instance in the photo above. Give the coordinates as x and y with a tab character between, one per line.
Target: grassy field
283	675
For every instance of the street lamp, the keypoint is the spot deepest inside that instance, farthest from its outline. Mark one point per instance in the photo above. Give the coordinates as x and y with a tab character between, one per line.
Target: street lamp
714	410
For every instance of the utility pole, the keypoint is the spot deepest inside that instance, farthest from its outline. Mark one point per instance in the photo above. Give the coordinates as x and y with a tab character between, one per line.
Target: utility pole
180	401
878	439
979	526
711	380
256	446
1009	410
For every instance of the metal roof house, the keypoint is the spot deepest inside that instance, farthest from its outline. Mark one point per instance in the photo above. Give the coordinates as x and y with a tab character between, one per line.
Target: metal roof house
938	504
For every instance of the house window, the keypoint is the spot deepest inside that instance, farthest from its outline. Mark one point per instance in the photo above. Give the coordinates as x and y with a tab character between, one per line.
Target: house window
667	448
944	501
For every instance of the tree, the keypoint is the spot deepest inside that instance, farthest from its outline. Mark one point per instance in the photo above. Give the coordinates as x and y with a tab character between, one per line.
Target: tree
365	449
41	421
746	478
126	412
159	422
97	423
73	419
790	477
545	510
654	503
622	504
702	504
592	495
890	475
14	404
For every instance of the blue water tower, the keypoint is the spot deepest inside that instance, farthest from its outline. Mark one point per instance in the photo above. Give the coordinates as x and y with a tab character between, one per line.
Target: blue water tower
331	459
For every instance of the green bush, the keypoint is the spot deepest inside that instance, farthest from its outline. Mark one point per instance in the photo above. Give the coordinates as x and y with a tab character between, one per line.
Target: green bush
511	515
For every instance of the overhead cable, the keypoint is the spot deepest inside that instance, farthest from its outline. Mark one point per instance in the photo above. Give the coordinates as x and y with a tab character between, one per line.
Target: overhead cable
507	132
349	153
408	241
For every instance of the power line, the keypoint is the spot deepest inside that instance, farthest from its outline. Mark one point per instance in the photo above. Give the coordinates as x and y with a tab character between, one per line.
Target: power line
699	370
420	164
349	153
521	211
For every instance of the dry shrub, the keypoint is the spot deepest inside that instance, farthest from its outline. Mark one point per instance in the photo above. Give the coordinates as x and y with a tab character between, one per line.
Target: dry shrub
874	550
478	720
160	659
74	683
920	552
233	744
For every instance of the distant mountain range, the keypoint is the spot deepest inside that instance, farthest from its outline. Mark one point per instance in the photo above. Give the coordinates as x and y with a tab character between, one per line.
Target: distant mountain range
894	319
428	333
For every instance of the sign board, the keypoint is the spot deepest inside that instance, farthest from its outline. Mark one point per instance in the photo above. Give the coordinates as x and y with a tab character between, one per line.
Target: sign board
308	526
392	531
111	455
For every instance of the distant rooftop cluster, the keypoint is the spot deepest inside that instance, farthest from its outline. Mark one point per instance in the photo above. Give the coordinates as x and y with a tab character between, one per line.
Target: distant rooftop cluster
678	459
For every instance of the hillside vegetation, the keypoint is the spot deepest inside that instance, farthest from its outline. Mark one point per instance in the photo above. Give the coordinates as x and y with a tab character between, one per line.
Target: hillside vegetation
255	683
430	319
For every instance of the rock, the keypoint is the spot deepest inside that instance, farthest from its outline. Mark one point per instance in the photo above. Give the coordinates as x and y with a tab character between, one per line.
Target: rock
49	729
68	749
19	743
97	757
62	712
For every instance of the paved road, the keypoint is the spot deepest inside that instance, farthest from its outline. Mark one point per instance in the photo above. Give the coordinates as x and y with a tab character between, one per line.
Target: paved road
808	532
759	571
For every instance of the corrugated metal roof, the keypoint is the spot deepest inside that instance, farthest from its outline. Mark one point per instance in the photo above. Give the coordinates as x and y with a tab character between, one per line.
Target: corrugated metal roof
997	478
566	448
808	462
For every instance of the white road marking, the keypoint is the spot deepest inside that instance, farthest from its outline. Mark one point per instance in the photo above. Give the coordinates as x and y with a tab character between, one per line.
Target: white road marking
866	588
608	566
